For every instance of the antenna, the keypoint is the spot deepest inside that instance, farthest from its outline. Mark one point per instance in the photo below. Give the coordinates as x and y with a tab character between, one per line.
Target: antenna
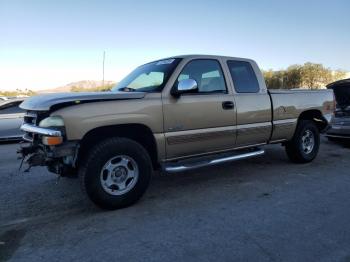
103	68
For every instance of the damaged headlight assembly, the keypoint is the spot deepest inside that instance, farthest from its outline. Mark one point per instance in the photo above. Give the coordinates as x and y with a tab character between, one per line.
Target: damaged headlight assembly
52	121
49	122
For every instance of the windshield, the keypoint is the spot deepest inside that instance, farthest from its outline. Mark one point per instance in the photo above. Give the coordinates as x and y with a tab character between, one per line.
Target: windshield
150	77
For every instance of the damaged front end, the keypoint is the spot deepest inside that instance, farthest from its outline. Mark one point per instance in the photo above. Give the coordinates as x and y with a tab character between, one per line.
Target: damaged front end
47	144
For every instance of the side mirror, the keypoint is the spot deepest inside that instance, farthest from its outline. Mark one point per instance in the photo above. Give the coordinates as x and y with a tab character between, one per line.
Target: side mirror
185	86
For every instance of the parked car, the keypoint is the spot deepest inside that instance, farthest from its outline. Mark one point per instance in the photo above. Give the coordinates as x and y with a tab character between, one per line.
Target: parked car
3	98
177	114
11	118
340	123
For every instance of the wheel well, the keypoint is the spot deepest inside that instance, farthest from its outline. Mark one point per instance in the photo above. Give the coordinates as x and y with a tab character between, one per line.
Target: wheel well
316	116
137	132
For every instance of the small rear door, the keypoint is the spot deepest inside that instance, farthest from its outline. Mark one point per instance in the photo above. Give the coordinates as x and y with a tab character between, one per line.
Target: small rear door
252	102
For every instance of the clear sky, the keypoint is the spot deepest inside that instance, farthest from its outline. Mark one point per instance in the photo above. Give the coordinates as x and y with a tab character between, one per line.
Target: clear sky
44	44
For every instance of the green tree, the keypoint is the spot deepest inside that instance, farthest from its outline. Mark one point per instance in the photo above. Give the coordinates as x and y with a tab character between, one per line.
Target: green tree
310	75
338	75
93	89
293	77
315	75
17	92
274	79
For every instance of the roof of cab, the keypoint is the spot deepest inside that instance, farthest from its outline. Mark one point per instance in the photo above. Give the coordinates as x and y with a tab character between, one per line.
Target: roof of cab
191	56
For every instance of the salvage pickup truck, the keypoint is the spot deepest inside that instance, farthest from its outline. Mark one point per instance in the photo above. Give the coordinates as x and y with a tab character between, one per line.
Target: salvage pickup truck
174	114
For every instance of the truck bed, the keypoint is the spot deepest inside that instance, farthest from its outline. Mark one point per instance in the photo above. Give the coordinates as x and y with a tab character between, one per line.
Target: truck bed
287	105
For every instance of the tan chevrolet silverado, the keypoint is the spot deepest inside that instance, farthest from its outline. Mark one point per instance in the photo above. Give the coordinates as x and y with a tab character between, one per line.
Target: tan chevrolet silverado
174	114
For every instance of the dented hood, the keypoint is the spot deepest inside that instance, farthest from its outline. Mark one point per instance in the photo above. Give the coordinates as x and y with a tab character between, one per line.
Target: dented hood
46	102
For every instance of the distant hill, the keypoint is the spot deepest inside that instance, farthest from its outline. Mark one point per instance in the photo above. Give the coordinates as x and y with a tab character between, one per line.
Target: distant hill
89	85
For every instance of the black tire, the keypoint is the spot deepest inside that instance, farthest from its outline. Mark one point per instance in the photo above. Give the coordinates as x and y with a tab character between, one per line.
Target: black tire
98	156
294	148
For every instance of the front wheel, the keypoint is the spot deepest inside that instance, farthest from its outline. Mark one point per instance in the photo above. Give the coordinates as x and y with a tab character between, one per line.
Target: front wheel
116	173
304	146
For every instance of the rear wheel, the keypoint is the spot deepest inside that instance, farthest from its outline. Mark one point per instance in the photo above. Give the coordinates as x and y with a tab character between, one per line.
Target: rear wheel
304	146
116	173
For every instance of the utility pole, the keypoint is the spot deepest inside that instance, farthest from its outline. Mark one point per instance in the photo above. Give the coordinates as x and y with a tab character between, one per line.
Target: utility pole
282	80
103	68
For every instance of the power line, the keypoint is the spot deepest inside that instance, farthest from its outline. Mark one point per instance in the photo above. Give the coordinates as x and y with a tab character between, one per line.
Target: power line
103	68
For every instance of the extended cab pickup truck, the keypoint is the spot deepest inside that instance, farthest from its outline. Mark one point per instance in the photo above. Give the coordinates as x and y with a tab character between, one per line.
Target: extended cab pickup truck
174	114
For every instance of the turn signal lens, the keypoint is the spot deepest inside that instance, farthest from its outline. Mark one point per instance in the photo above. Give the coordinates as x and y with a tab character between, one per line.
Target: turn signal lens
52	140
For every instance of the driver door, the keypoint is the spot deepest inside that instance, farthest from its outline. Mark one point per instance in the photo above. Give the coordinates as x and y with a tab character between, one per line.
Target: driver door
203	121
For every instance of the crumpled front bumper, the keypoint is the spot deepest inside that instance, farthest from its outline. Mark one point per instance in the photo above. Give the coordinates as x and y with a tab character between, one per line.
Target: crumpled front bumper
57	158
28	128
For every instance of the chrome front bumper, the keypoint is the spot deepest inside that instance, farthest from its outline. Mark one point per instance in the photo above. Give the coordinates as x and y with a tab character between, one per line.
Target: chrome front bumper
40	130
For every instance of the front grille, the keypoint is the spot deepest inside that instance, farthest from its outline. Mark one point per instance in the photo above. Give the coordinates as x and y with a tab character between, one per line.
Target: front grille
31	118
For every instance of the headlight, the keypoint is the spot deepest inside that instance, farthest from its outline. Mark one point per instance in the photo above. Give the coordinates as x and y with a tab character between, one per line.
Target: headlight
52	121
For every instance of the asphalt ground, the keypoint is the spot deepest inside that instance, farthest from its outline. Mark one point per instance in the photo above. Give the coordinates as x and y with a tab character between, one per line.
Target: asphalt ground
261	209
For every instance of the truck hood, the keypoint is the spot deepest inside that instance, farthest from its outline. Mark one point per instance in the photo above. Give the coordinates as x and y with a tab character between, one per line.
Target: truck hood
46	102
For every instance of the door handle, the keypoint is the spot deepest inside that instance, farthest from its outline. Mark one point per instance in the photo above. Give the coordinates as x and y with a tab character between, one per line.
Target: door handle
228	105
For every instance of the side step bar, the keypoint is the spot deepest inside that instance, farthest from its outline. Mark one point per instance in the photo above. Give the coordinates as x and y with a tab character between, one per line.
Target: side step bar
181	166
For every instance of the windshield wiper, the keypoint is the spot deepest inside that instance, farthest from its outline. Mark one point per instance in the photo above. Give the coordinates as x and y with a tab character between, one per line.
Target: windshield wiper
126	89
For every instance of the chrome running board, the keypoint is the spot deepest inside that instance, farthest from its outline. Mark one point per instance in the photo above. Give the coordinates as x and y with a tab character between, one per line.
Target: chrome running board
175	167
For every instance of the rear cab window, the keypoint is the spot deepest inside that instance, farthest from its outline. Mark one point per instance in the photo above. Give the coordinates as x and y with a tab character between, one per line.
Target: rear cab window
243	77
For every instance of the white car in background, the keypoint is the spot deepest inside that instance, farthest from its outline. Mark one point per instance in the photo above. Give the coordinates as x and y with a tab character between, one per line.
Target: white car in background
11	118
3	98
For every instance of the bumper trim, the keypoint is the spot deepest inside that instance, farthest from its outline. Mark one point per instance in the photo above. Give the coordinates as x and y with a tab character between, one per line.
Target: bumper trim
338	136
39	130
27	138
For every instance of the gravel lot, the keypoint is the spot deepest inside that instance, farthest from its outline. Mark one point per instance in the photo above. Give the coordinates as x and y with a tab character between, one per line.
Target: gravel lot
263	209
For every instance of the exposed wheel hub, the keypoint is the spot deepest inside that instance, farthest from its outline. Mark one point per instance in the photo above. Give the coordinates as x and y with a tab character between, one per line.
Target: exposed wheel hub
308	141
119	175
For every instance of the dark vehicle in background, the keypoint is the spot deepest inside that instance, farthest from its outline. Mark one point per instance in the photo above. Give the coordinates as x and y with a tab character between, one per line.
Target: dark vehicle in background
11	118
340	123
